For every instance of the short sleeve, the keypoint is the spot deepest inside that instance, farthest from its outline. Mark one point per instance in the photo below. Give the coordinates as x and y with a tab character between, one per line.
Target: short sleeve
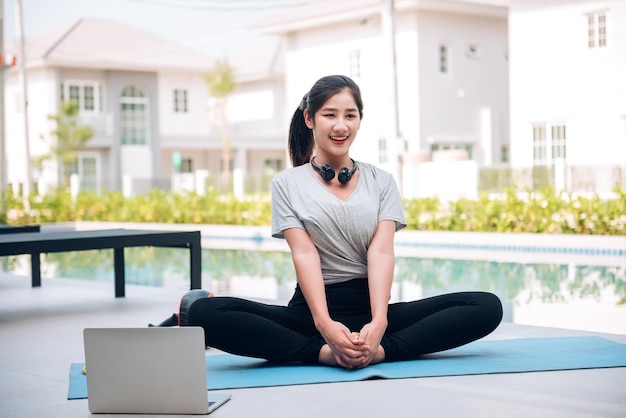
391	208
284	215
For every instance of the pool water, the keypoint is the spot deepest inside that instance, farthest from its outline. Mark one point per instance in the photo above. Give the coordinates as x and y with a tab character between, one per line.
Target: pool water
587	297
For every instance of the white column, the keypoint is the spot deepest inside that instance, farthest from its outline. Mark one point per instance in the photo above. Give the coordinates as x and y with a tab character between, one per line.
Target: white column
559	175
74	185
201	182
239	171
127	186
394	149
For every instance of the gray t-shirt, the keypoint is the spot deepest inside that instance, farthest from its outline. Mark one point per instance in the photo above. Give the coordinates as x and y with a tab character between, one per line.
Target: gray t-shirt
341	230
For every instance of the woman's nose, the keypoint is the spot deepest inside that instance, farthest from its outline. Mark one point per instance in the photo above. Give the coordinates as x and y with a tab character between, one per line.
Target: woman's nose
340	124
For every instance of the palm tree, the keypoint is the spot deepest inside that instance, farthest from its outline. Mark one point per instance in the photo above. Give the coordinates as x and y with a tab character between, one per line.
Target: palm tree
221	82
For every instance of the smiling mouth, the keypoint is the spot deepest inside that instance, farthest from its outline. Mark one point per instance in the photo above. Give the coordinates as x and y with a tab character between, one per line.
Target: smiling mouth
338	138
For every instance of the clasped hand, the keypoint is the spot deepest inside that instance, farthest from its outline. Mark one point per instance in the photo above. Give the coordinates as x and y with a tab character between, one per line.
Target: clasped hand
353	350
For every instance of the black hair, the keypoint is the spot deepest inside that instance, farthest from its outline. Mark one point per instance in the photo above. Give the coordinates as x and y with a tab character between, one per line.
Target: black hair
301	143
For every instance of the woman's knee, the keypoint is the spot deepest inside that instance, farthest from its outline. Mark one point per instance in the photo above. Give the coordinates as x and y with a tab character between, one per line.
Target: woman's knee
492	308
202	310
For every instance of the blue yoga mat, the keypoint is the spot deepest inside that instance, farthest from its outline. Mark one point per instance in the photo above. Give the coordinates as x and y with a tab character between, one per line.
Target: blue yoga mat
226	371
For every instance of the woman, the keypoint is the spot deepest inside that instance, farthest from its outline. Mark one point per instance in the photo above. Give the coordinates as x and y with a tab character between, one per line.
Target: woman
340	230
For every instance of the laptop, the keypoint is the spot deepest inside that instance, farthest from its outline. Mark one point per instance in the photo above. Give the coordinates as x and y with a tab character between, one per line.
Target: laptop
148	371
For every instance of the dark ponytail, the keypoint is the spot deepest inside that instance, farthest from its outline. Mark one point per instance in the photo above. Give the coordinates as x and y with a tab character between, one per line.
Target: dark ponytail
301	143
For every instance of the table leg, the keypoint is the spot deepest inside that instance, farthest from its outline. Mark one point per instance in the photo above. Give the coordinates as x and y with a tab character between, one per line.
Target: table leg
195	265
35	269
120	279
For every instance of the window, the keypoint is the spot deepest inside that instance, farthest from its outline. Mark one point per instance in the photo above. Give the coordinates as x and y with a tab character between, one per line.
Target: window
88	173
88	98
75	93
602	30
86	94
443	59
546	150
134	117
86	166
558	141
355	63
469	148
186	165
180	101
504	154
596	29
540	147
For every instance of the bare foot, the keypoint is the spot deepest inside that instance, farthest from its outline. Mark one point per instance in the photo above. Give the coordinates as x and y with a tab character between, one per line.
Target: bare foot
326	356
380	355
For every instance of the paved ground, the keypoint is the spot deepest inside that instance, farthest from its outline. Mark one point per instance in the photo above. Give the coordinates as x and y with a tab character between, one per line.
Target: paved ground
41	334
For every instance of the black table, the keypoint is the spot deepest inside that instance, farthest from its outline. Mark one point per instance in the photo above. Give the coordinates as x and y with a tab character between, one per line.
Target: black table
13	229
36	243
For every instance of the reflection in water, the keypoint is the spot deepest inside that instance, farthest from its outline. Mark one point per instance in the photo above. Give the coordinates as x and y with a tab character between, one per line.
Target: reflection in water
527	290
543	282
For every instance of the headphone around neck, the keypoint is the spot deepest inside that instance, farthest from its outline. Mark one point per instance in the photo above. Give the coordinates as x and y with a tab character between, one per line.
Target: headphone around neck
328	173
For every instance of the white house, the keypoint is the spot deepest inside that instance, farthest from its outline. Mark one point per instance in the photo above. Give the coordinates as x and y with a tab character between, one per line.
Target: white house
147	101
451	74
568	90
462	69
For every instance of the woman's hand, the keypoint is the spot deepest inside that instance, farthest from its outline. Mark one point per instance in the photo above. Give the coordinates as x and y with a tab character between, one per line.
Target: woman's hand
371	334
348	349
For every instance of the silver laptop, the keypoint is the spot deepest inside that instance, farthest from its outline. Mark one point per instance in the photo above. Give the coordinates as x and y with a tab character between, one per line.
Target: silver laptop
148	371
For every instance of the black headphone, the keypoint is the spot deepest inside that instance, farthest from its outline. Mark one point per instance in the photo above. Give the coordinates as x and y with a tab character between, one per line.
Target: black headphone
328	173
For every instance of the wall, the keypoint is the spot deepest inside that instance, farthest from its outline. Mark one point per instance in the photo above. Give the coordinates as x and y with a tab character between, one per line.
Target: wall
183	130
557	79
450	104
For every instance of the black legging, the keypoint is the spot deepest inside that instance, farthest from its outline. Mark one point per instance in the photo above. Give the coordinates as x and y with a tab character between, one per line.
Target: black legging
287	333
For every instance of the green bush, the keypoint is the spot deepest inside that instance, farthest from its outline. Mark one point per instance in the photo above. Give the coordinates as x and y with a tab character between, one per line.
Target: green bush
531	212
535	212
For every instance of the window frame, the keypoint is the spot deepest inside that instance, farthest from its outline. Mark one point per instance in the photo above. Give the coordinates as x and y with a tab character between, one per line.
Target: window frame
597	33
129	120
443	62
540	144
73	89
558	137
552	143
180	105
354	57
78	167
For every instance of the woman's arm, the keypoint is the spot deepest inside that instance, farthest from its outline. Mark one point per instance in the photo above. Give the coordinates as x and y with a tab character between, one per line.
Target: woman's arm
309	273
306	261
380	268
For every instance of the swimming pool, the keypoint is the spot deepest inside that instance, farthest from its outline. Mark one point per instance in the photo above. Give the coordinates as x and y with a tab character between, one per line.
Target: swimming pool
559	287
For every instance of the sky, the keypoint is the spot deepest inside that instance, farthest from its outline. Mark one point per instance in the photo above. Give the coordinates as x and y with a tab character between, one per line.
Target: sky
216	27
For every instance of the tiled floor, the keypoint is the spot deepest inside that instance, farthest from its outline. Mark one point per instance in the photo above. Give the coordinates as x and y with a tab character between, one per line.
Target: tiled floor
41	334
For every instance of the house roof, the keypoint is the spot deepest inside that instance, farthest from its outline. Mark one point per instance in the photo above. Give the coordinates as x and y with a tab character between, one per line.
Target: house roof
108	45
324	12
264	59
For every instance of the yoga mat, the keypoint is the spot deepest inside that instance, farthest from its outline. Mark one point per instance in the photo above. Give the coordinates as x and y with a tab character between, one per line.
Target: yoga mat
226	371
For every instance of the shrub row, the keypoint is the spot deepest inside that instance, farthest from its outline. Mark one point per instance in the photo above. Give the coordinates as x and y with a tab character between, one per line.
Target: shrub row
542	212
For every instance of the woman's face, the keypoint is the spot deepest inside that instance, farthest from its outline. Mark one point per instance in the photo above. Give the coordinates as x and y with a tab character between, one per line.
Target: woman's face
335	125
